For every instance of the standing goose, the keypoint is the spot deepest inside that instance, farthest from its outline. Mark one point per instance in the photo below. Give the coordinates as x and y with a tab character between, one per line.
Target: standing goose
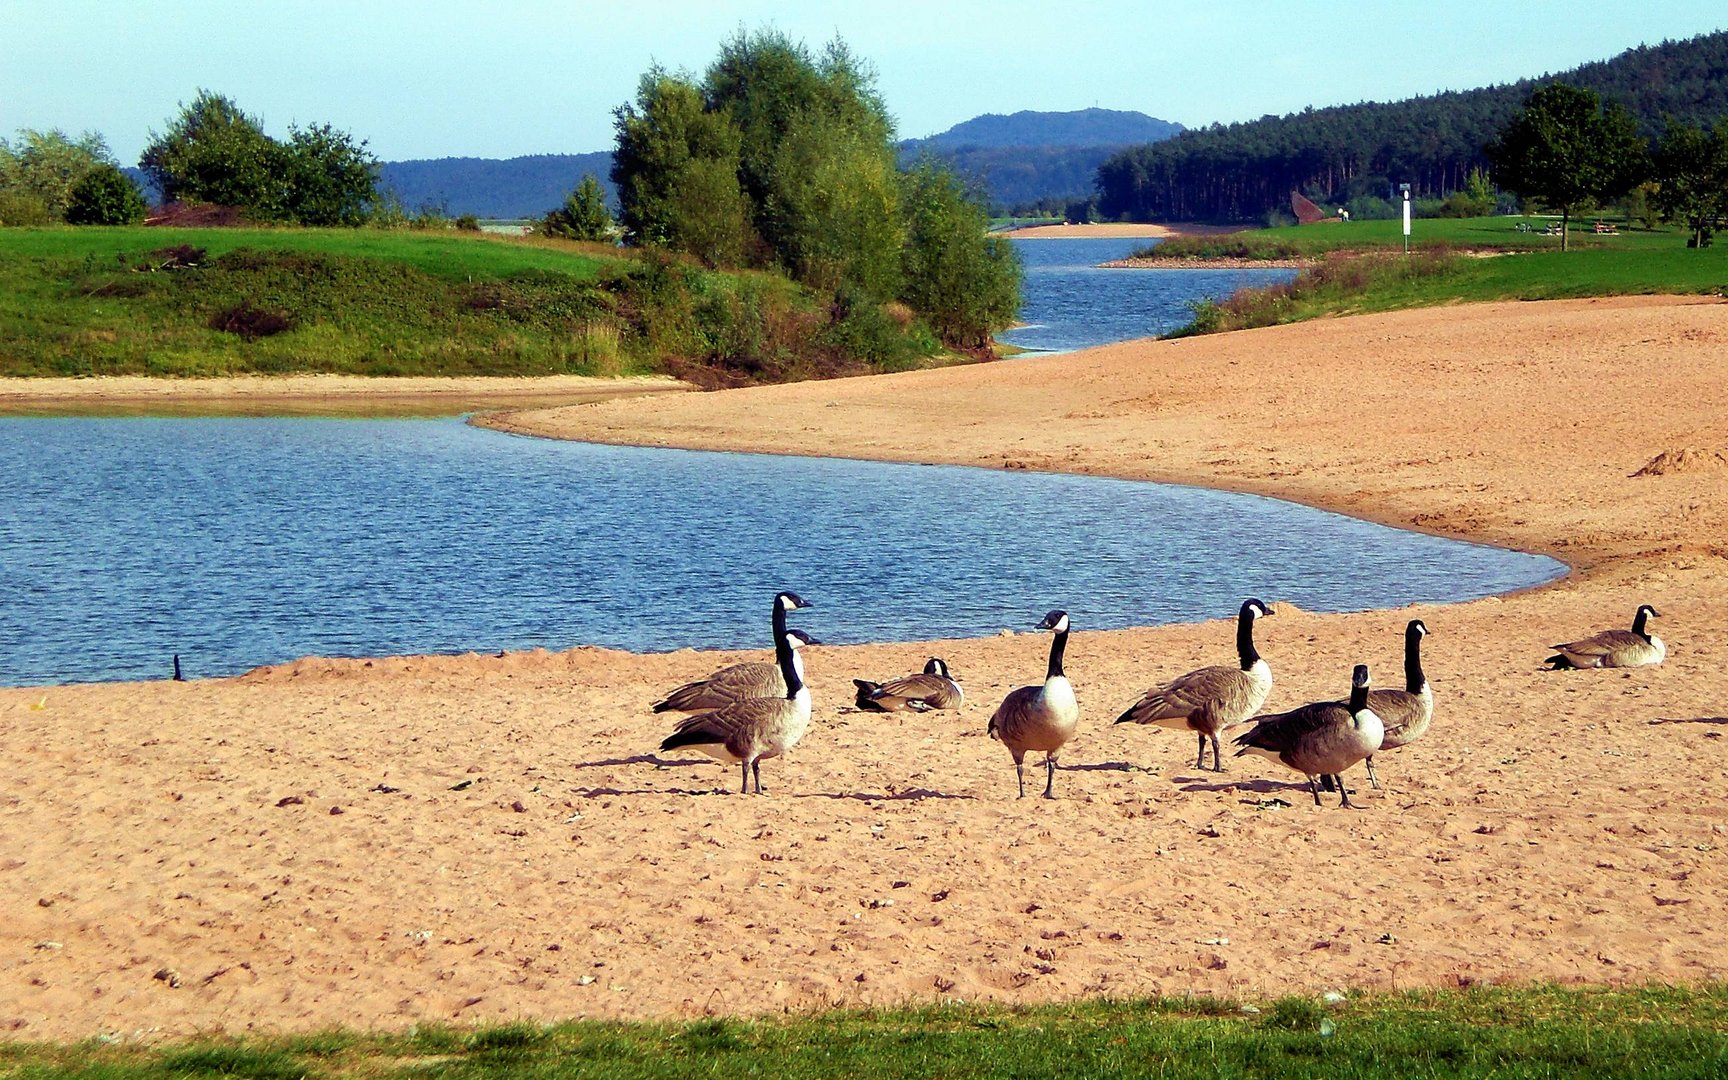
1039	717
751	679
935	688
748	730
1213	698
1406	713
1321	739
1613	648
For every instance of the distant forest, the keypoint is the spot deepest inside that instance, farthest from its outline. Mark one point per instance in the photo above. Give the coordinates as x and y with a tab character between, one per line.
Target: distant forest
1016	159
1242	171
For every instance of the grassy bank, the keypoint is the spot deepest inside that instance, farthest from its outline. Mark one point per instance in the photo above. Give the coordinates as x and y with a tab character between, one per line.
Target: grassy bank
1469	234
1543	1032
181	302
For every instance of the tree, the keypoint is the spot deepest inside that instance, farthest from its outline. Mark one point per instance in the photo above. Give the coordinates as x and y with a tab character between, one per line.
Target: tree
40	172
1691	174
214	152
1564	148
676	168
105	196
964	281
328	178
583	216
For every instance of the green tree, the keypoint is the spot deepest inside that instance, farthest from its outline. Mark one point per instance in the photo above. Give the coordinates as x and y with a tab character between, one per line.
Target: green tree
37	174
105	196
213	152
328	178
1564	148
964	281
676	169
583	216
1691	173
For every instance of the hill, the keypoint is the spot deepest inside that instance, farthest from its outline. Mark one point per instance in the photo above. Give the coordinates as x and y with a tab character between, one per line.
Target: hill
1240	171
492	188
1031	156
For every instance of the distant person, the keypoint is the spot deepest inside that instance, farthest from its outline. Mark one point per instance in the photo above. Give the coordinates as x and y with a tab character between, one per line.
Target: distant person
1343	214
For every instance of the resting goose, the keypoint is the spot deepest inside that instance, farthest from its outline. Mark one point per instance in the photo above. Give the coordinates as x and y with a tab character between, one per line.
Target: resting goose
1407	713
1321	739
935	688
1039	717
750	679
1213	698
746	731
1613	648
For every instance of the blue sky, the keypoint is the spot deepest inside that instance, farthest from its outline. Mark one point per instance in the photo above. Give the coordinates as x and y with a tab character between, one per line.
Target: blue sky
436	79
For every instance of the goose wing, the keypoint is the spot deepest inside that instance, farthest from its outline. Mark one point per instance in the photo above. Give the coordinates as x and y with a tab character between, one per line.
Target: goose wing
1405	715
1599	646
1014	714
932	690
736	727
1185	696
1278	732
727	686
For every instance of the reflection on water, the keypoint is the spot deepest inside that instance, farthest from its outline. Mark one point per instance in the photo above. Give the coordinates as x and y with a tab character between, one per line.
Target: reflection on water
241	542
1070	303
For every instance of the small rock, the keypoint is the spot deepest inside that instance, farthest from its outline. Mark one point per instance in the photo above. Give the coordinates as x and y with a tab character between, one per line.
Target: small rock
169	976
1332	997
291	800
584	980
336	811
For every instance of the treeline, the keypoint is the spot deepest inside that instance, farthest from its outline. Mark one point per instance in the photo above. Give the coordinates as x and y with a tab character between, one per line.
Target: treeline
784	160
1243	171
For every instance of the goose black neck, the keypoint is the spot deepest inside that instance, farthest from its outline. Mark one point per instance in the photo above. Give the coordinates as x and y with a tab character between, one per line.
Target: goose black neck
779	621
1057	644
1638	624
1413	678
1245	639
783	655
1358	697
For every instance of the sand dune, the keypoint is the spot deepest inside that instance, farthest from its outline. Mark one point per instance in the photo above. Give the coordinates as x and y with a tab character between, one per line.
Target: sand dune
481	838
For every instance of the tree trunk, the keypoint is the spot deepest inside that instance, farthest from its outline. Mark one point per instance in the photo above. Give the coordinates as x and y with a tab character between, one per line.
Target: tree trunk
1565	219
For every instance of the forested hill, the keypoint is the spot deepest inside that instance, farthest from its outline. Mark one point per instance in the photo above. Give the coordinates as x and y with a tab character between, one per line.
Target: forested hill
491	188
1240	171
1030	156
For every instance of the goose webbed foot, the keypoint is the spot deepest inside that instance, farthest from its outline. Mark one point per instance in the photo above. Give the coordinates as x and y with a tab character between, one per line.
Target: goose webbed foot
756	768
1217	760
1200	755
1344	793
1049	778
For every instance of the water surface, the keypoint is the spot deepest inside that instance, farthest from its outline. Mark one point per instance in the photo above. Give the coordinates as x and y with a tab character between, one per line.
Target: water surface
238	542
1070	303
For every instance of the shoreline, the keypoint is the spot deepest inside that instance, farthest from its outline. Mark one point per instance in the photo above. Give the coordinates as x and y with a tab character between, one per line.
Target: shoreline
462	839
306	394
1115	230
1209	263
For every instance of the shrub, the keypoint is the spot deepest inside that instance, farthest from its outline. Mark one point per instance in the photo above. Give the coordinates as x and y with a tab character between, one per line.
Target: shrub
105	196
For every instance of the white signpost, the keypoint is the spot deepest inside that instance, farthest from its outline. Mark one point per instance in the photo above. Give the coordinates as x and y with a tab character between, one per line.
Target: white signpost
1405	188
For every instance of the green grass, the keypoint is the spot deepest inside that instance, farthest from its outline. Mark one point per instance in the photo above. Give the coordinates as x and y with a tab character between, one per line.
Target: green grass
1513	1033
98	301
1474	234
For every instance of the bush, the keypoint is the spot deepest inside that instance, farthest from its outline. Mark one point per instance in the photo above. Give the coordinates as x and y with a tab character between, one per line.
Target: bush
105	196
23	208
250	322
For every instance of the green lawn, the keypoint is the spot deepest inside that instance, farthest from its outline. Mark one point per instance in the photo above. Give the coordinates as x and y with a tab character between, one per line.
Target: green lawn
1512	1033
1474	234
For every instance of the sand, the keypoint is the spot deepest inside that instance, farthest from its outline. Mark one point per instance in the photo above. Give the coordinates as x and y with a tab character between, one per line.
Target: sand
472	839
1110	230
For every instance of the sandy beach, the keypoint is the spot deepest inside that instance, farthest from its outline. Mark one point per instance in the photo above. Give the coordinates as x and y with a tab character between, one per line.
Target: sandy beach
484	838
1110	230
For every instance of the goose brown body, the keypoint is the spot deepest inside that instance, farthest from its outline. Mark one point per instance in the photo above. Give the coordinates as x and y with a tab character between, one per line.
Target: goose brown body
933	688
1040	718
1210	699
1408	713
1320	739
730	685
1613	648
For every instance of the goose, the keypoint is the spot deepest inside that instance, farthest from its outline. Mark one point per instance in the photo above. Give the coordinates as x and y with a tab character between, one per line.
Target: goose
747	680
935	688
748	730
1407	713
1321	739
1213	698
1613	648
1039	717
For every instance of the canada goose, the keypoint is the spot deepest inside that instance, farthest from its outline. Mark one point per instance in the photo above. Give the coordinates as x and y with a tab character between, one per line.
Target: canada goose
1321	739
750	679
1039	717
748	730
1407	713
1213	698
934	689
1613	648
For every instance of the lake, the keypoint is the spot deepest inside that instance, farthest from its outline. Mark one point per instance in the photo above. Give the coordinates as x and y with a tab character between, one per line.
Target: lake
237	542
1071	303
